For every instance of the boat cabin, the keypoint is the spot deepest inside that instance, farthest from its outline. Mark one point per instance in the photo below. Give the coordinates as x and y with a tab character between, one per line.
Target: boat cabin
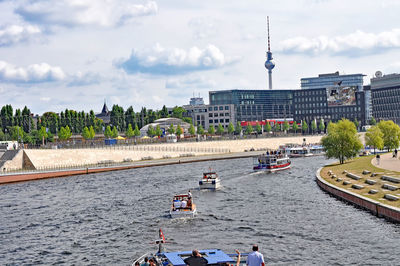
182	201
213	257
210	175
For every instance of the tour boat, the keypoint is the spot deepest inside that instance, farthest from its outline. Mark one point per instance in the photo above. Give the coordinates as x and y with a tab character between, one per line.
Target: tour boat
210	180
183	206
163	258
295	151
271	162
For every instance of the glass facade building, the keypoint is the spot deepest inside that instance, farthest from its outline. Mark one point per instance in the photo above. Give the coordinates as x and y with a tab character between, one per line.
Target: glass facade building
386	97
332	79
256	105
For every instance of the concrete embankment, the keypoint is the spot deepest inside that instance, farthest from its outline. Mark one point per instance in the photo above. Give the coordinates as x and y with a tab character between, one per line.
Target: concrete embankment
377	208
34	175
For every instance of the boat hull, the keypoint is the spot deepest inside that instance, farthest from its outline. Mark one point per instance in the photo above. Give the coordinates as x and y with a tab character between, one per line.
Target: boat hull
270	169
182	213
211	184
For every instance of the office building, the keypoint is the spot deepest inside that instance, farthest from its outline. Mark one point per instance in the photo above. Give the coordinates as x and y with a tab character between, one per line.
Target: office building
386	97
255	105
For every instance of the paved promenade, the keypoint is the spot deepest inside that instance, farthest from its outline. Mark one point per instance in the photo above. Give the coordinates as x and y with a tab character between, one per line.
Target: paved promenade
387	162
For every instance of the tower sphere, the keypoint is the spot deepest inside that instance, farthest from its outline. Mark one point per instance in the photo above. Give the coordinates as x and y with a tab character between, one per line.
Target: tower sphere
269	64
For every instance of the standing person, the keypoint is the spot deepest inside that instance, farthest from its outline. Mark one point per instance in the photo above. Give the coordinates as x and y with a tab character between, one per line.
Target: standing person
395	153
255	258
196	259
378	159
146	262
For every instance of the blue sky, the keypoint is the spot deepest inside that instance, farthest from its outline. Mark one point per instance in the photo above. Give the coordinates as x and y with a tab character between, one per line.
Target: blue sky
74	54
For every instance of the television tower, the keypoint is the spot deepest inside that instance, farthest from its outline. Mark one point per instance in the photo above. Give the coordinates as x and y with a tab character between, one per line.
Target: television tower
269	64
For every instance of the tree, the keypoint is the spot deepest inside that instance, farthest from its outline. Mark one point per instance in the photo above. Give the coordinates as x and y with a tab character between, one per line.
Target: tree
42	134
295	127
342	141
129	132
211	130
286	126
304	126
374	138
117	117
249	129
238	128
372	121
321	126
268	127
220	129
136	132
313	126
85	133
200	130
258	128
114	132
178	112
356	123
179	130
64	133
171	129
16	133
150	131
192	130
158	131
231	128
391	134
92	134
108	132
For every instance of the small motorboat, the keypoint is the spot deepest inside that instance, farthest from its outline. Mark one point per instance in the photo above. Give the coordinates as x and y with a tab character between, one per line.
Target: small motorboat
183	206
177	258
210	180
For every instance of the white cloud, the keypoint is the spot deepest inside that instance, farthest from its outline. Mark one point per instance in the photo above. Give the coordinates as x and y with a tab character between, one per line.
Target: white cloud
33	73
106	13
190	82
159	60
17	33
45	99
83	79
203	27
354	44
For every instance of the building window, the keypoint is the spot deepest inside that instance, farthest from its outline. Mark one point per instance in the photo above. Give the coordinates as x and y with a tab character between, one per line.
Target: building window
210	121
215	114
216	121
221	120
221	108
226	120
227	107
226	114
210	115
215	108
209	108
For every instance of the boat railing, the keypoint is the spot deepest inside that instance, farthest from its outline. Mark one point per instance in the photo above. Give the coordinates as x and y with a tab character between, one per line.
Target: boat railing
140	259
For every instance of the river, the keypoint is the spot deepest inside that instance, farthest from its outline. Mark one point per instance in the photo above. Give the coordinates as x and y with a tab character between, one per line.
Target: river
111	218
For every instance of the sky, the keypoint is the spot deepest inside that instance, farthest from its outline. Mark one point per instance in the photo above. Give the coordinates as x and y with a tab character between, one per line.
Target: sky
70	54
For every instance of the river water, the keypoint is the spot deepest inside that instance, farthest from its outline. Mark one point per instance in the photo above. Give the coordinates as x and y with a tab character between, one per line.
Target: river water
111	218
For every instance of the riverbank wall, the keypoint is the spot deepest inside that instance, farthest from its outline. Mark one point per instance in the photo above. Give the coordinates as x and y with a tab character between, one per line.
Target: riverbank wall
69	158
37	175
379	209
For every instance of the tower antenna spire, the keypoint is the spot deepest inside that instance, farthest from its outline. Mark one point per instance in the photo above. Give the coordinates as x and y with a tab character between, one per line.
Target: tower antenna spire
269	43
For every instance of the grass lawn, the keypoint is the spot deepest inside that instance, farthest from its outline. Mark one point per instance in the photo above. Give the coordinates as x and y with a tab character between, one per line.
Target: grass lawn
357	166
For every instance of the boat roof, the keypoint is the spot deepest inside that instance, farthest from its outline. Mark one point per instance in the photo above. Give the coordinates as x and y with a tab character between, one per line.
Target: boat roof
209	173
213	256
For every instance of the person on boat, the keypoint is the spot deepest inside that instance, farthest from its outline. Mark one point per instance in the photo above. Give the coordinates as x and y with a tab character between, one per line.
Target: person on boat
196	259
237	260
189	195
146	262
152	262
255	258
137	263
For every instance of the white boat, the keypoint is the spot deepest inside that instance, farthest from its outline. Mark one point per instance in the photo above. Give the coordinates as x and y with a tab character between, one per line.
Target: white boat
210	180
183	206
271	162
294	151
